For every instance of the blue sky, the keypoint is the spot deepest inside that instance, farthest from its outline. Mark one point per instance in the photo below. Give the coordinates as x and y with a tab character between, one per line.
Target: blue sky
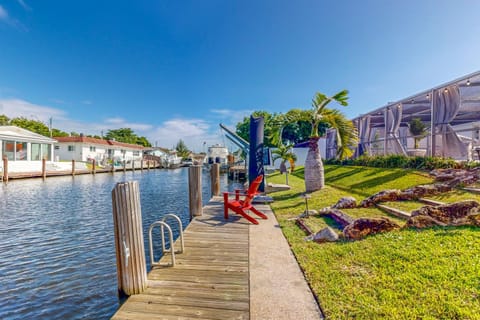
176	69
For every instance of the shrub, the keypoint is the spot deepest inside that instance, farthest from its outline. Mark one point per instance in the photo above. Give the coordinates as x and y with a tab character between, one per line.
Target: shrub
401	161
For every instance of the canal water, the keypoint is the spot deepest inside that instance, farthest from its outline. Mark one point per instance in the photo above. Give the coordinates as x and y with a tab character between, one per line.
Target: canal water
57	251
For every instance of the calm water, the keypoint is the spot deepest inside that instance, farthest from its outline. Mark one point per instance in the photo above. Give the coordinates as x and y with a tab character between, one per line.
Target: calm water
57	252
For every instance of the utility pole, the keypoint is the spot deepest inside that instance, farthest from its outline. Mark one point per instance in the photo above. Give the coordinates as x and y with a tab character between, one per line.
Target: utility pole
50	125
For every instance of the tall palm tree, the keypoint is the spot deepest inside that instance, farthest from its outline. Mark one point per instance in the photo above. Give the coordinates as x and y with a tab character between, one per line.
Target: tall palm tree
285	153
346	134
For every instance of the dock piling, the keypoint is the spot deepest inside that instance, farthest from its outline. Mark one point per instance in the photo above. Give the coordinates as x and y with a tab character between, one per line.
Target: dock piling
5	169
94	169
195	190
215	179
130	250
73	167
44	168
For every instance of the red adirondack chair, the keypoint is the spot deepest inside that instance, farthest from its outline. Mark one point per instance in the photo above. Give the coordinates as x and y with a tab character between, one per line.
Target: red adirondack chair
242	206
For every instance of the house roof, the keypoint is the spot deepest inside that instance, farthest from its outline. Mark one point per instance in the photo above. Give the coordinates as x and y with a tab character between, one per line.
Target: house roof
20	134
90	140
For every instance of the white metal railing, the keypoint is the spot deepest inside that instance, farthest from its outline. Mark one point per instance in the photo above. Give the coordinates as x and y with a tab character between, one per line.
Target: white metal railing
162	224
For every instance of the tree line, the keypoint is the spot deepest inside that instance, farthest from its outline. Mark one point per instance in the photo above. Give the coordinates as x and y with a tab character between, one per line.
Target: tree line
125	135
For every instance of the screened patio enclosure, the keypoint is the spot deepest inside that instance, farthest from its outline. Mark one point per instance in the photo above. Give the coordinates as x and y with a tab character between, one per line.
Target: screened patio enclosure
451	113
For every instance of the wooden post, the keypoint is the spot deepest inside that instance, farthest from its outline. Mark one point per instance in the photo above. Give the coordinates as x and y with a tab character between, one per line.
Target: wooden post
113	166
94	169
130	250
124	166
148	164
5	169
141	165
73	167
133	165
215	179
195	190
44	168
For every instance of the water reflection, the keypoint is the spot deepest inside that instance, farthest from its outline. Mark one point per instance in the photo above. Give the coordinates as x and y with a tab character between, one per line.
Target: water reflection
57	255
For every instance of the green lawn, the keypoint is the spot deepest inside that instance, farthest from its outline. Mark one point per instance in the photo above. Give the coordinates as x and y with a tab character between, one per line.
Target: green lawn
408	274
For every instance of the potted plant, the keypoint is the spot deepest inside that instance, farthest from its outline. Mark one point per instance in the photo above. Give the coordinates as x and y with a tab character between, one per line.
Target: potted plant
418	129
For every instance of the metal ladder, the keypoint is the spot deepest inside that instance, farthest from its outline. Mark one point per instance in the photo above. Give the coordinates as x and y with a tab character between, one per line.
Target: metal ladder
162	224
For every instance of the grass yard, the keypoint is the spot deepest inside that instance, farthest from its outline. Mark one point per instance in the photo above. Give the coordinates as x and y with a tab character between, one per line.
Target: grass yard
409	274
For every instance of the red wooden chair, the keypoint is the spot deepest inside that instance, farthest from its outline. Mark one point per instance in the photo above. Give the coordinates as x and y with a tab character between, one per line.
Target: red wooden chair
241	206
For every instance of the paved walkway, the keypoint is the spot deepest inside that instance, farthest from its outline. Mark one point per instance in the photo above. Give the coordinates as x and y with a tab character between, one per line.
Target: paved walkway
278	289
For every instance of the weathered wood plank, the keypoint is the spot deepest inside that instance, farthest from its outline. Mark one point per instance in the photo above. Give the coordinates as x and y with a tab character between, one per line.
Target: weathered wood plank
212	301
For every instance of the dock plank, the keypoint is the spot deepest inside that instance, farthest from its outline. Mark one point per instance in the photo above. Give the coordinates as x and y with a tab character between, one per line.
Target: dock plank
210	279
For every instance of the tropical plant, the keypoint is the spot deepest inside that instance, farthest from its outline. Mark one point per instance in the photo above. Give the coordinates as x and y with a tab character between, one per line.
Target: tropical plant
345	131
285	153
182	149
418	129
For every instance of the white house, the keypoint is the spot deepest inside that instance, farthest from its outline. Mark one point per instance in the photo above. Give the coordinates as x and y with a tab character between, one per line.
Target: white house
19	144
168	158
81	148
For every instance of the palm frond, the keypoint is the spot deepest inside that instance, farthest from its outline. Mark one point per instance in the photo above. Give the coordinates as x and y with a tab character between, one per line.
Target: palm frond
347	135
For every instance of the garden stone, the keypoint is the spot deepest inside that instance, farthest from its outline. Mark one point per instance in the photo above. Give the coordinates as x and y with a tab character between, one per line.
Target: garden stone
474	220
453	214
345	203
366	226
382	196
420	222
339	216
325	235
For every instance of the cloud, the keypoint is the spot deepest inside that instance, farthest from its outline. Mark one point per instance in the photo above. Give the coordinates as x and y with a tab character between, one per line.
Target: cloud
119	122
21	108
114	120
194	132
24	5
231	117
58	101
4	15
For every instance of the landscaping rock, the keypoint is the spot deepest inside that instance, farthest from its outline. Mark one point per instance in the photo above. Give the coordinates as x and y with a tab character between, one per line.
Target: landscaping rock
301	223
345	203
420	222
339	216
382	196
454	177
366	226
474	220
417	192
453	214
325	235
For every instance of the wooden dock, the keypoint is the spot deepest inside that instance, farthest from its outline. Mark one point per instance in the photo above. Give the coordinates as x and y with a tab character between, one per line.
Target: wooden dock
210	279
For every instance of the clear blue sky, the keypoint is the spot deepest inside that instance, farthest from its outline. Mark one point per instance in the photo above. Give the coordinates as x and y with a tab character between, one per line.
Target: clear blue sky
176	69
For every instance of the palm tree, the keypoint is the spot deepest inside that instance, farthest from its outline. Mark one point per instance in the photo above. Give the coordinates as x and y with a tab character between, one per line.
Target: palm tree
285	153
346	134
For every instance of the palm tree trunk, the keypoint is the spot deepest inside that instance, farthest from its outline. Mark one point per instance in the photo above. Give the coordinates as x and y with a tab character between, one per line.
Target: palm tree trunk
314	175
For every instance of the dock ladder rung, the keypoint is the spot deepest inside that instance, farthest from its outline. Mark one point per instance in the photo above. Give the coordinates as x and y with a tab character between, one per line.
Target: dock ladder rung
162	224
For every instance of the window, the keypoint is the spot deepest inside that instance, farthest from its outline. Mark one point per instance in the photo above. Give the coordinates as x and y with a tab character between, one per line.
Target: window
71	148
123	151
136	153
93	148
8	149
21	151
57	147
36	152
46	151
